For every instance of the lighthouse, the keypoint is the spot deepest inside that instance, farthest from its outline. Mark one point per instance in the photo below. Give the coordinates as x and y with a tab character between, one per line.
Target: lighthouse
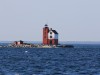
50	36
45	34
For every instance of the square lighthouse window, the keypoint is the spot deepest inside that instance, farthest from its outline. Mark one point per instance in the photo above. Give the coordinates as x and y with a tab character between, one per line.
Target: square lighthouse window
50	36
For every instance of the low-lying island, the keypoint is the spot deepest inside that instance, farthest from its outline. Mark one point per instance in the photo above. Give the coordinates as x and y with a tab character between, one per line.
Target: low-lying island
21	44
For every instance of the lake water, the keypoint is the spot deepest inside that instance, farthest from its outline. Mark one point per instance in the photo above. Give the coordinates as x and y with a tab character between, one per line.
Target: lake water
81	60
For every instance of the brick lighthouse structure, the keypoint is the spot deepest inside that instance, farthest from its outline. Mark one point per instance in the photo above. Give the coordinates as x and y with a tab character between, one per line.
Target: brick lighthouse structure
45	34
50	37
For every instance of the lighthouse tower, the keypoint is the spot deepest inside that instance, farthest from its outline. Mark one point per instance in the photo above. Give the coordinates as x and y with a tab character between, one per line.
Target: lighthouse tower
45	34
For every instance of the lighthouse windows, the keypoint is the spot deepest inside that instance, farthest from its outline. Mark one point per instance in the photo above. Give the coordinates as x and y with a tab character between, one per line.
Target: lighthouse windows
50	36
50	32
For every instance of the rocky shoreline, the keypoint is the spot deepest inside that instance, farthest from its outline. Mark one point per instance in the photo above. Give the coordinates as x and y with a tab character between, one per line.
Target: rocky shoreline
37	46
21	44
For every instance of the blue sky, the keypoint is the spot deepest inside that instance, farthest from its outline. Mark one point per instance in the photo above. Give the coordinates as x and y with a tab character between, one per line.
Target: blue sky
75	20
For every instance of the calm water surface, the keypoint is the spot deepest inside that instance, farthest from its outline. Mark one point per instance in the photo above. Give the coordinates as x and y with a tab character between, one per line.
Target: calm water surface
58	61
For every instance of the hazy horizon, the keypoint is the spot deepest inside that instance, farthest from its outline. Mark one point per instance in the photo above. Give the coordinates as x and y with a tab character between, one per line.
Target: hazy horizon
60	42
74	20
